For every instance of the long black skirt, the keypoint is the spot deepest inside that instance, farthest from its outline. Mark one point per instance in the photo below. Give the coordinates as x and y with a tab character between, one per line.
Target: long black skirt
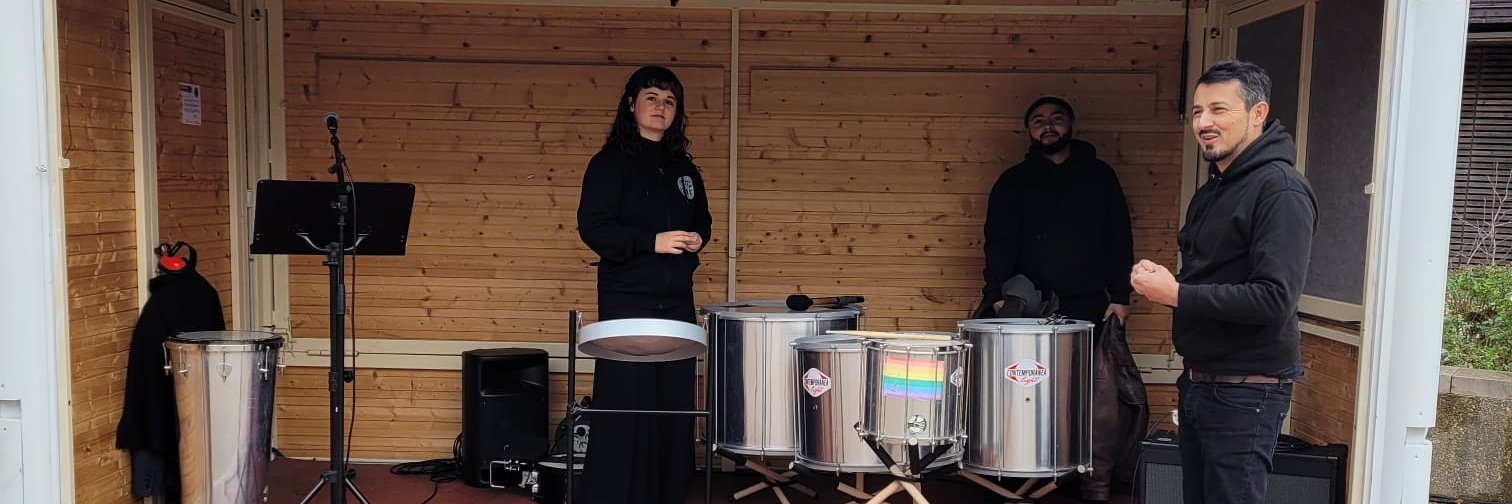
641	459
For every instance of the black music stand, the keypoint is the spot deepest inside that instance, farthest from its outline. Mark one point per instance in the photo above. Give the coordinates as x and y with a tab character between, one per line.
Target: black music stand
311	218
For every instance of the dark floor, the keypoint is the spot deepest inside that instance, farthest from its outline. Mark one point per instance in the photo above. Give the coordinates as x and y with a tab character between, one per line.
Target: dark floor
290	479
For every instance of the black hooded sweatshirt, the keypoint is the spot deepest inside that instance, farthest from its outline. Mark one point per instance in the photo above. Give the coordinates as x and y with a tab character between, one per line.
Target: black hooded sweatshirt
1244	254
1064	227
629	197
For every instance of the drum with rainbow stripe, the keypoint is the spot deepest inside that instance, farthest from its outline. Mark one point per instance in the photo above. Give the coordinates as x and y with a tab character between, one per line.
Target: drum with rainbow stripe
915	397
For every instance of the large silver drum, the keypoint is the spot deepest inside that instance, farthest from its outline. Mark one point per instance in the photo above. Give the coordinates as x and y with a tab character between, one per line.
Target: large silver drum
1030	396
223	382
752	369
915	396
830	378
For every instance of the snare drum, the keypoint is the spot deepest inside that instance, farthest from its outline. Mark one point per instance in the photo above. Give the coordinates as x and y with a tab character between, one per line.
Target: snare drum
829	379
550	485
753	366
1031	397
915	391
223	383
643	340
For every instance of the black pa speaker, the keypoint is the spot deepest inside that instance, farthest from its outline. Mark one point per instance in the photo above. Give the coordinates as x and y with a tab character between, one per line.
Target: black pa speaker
503	412
1302	474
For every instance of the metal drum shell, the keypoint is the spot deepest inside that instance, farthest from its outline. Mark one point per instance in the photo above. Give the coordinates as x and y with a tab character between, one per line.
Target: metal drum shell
224	387
887	415
1030	396
752	360
827	413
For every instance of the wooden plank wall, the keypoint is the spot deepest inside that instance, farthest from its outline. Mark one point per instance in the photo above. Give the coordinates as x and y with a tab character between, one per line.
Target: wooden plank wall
492	112
1323	403
99	207
193	170
877	189
869	143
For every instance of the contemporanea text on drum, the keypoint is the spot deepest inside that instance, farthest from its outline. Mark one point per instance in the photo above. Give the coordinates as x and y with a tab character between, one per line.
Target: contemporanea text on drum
803	380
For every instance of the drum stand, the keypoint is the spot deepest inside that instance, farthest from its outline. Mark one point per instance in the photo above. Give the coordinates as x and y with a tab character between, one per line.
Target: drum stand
575	317
906	480
858	491
773	480
1018	496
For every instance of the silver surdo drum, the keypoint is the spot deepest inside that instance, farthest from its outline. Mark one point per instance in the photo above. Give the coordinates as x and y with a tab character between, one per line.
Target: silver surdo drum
830	378
753	366
1031	397
915	396
223	383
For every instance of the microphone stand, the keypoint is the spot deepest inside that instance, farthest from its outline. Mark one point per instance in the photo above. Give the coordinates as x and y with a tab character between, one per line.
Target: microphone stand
339	476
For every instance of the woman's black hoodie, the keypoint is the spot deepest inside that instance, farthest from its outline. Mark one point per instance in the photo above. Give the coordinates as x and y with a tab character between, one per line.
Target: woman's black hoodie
1244	253
629	197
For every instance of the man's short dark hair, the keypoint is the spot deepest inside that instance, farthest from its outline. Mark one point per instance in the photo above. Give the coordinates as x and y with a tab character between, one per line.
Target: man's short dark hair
1254	84
1070	114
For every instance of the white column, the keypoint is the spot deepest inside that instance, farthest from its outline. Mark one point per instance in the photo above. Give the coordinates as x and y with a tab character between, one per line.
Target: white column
1422	69
33	339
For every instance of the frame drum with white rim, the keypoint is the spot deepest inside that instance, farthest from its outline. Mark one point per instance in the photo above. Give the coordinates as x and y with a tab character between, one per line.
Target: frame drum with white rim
223	385
753	368
643	340
915	394
1030	396
828	374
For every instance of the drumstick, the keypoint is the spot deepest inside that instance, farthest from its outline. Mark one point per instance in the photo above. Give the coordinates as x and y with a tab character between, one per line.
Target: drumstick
881	334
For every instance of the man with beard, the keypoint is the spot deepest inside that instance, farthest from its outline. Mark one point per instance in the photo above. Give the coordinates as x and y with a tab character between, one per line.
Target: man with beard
1244	253
1060	219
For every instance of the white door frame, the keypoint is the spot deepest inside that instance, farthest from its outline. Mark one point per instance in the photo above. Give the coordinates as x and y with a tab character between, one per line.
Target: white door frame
1417	139
36	431
144	131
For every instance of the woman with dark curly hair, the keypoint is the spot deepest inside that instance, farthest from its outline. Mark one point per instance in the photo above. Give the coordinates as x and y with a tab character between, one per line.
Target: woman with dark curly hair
644	212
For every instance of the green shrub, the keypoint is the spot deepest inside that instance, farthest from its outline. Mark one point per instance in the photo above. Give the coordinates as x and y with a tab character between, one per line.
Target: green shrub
1478	318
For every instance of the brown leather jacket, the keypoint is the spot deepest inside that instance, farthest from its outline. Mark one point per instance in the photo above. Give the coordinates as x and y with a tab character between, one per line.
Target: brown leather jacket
1120	411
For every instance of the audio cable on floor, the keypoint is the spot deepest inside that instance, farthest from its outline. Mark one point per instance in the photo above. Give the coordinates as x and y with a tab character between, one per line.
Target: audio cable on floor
439	470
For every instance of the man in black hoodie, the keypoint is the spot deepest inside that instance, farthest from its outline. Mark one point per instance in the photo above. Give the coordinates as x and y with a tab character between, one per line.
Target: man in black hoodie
1059	218
1244	249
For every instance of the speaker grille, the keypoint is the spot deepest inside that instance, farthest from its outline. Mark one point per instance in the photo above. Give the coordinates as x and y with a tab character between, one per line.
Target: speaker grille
1313	475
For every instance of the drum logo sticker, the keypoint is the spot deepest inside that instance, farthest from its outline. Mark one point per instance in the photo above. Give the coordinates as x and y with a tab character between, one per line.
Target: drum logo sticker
1026	372
815	382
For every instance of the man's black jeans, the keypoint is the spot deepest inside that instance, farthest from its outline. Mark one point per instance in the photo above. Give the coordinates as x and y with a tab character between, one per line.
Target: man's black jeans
1228	433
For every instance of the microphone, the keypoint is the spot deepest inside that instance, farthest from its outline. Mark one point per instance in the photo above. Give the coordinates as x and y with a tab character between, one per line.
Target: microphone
331	118
800	302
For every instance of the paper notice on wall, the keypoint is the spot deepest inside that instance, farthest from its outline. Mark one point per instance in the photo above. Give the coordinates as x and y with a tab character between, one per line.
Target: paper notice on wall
189	101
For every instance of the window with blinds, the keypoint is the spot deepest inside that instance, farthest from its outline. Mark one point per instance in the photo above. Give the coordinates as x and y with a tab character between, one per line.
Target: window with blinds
1482	228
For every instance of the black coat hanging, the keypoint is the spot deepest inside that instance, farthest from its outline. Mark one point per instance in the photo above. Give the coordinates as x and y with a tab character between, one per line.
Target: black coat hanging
180	300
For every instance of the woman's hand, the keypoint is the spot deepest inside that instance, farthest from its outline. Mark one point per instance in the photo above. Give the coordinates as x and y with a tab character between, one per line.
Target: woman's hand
694	243
675	242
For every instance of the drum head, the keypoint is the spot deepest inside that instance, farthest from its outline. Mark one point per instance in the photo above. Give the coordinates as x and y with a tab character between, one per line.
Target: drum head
1028	324
643	340
226	337
559	461
828	342
740	310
